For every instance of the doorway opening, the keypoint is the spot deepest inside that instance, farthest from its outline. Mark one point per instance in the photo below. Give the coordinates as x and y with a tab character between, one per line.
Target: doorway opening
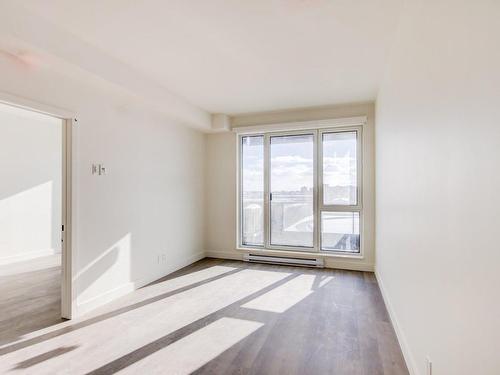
35	287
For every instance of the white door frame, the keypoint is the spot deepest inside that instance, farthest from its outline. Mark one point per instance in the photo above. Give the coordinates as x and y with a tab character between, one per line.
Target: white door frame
68	302
67	295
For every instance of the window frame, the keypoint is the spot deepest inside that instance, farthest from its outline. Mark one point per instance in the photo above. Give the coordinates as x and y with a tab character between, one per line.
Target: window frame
267	192
239	195
318	203
358	207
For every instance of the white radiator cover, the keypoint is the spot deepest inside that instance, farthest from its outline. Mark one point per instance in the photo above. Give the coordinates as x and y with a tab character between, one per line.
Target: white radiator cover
285	260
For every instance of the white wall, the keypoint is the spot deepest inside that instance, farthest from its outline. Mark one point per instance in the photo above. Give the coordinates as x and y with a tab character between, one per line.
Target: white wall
221	181
438	202
151	201
30	189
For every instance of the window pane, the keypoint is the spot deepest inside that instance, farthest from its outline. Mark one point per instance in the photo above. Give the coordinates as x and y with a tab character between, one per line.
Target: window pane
291	187
339	168
340	231
252	187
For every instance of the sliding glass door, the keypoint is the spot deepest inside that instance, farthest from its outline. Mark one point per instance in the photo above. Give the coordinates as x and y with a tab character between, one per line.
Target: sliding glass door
291	178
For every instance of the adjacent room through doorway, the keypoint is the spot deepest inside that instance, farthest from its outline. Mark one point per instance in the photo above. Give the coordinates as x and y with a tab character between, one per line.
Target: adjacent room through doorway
31	190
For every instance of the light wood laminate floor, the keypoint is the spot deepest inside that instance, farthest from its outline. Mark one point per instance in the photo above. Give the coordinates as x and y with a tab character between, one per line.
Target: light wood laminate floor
30	296
213	317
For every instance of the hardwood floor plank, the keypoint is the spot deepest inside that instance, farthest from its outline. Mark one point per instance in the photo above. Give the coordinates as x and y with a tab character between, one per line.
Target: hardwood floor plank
293	321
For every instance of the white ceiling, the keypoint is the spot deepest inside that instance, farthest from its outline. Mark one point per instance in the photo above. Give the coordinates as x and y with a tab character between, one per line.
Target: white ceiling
240	56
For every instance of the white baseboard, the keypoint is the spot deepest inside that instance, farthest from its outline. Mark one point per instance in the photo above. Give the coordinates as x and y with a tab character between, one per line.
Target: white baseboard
172	268
408	357
224	255
28	256
103	298
329	263
121	290
346	265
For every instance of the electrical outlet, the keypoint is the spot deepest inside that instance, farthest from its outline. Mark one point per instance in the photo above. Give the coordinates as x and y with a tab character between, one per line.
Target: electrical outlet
428	366
161	258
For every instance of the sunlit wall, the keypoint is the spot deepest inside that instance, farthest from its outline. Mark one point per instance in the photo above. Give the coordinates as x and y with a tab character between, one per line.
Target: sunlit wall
30	184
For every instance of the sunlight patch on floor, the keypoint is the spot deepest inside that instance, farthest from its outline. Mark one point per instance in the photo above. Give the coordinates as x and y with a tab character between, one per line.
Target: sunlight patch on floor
190	278
197	349
322	281
131	330
284	296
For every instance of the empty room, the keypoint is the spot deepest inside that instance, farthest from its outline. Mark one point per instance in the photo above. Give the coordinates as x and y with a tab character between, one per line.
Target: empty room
249	187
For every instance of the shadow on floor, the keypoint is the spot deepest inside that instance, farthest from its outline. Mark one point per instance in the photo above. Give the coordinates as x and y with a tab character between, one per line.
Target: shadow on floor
111	314
337	324
44	357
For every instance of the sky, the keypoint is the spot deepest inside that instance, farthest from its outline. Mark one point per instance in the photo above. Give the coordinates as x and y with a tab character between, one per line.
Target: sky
292	161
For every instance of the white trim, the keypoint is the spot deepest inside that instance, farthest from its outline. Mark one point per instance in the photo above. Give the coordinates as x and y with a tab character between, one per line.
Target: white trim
68	302
34	106
331	261
350	266
28	256
224	255
301	125
306	253
121	290
239	221
327	254
403	343
172	268
266	163
104	298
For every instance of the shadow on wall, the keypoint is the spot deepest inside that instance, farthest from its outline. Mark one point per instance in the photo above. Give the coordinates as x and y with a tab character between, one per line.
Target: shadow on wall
95	274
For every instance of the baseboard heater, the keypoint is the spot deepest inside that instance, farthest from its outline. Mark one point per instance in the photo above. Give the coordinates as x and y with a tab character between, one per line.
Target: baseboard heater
289	261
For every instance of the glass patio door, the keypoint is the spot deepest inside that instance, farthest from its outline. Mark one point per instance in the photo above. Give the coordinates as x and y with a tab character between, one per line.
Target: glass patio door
291	190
